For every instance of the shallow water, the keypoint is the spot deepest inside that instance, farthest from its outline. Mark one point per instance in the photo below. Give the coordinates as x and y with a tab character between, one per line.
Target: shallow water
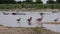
52	27
10	20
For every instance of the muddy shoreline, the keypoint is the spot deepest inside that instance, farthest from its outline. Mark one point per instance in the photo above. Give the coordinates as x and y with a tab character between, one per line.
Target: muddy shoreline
32	10
19	30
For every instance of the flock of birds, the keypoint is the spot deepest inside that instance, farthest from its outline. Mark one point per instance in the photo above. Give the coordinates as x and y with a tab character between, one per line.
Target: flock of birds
29	20
38	19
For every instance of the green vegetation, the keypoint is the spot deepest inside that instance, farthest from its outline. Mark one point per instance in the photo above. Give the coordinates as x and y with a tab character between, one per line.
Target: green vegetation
42	6
38	1
51	2
38	6
58	1
7	1
29	1
11	4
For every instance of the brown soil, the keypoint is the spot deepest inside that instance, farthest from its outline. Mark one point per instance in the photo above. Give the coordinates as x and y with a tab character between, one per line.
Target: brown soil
22	30
32	10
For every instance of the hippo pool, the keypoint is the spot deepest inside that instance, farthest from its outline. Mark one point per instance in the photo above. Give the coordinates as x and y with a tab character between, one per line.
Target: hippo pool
10	19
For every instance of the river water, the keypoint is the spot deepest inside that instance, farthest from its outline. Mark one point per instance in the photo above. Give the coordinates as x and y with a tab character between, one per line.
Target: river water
10	20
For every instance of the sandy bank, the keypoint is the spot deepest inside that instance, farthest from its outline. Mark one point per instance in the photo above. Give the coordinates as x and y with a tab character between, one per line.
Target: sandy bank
32	10
19	30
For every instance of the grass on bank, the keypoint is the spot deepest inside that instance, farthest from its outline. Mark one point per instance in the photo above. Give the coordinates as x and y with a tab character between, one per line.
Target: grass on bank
9	6
37	6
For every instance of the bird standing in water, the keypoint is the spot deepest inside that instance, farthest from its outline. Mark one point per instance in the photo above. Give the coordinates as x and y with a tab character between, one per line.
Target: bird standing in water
40	19
29	20
56	20
18	20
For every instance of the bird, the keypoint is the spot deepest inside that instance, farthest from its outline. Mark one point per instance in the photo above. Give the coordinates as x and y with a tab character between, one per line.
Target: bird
56	20
29	20
18	20
54	12
14	14
41	14
5	13
39	19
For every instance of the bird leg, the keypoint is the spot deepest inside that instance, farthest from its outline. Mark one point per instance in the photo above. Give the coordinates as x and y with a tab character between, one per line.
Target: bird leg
29	23
18	22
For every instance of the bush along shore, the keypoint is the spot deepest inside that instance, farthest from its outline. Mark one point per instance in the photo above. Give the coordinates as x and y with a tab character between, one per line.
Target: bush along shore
29	5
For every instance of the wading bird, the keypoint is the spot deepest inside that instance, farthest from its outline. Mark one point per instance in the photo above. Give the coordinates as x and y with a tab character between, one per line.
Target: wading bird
40	19
29	20
18	20
56	20
54	11
41	14
5	13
